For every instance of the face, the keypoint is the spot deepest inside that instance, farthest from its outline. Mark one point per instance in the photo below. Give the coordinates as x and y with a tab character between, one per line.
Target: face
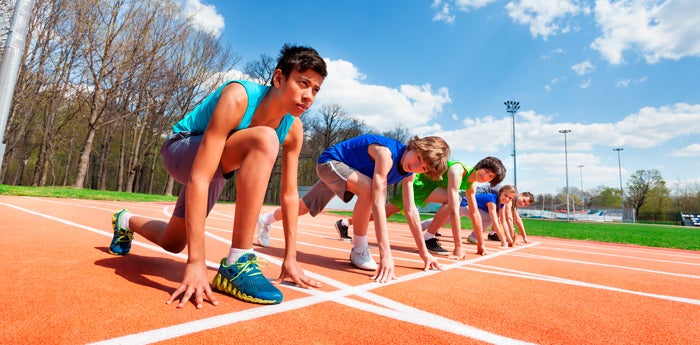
299	90
506	198
522	202
483	176
413	162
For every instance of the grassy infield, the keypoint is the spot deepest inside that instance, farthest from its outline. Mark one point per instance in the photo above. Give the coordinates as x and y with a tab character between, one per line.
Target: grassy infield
666	236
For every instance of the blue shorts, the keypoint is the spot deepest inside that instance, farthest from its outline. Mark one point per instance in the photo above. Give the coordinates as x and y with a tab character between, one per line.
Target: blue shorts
178	153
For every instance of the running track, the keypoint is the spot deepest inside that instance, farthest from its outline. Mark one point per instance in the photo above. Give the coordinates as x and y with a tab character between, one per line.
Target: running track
59	286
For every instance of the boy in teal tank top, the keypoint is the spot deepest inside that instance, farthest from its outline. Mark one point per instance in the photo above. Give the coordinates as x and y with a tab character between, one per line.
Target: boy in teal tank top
239	127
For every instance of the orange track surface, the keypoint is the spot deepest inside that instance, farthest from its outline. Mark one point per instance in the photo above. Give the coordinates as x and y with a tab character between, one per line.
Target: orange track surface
60	286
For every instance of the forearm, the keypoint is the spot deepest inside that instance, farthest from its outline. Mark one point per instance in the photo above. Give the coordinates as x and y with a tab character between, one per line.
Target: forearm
413	220
290	216
195	218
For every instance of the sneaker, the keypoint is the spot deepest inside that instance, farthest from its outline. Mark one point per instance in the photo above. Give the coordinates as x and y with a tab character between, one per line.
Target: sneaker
435	248
244	281
472	238
361	258
342	230
493	237
263	233
121	242
437	234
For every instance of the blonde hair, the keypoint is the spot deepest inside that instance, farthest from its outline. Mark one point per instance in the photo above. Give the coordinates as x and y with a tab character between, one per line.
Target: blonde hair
435	151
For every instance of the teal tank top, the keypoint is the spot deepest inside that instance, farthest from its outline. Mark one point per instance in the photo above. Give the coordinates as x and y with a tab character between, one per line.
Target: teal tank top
197	120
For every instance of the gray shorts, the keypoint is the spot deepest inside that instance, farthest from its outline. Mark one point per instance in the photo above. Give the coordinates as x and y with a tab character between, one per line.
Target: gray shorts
178	153
333	180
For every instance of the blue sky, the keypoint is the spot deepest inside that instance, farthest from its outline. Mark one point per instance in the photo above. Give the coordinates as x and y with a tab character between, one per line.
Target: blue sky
615	73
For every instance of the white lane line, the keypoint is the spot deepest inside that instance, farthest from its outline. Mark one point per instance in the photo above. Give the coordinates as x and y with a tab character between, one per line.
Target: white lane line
623	256
405	313
552	279
542	257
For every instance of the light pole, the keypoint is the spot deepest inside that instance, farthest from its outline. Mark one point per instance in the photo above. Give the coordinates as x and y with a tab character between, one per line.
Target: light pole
512	108
566	162
583	204
619	169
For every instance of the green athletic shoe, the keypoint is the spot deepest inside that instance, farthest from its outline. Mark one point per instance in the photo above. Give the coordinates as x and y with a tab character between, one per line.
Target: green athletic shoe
121	242
244	280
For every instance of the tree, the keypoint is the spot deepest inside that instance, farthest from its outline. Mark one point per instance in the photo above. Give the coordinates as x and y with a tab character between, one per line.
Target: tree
642	185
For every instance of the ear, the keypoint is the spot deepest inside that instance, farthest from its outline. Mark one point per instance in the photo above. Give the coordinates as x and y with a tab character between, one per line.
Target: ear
277	78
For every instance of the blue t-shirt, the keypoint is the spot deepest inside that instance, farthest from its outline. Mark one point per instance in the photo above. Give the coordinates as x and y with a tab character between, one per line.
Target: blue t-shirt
482	199
197	120
353	152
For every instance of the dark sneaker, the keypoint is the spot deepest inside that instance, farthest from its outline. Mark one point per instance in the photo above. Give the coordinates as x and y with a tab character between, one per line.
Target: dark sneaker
342	230
121	242
493	237
434	247
244	280
437	234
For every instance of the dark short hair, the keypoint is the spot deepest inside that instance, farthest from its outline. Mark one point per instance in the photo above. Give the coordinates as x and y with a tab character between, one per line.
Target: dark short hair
300	58
495	166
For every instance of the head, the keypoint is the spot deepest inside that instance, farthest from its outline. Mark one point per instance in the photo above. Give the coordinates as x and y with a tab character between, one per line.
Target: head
493	165
300	59
506	194
433	151
298	76
524	199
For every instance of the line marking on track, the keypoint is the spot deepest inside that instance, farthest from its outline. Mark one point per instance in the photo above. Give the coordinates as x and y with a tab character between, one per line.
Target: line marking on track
541	277
623	256
542	257
399	312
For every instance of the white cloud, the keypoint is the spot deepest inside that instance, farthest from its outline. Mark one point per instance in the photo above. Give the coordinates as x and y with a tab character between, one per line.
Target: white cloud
657	30
380	106
692	150
543	17
466	5
586	84
583	68
204	17
444	12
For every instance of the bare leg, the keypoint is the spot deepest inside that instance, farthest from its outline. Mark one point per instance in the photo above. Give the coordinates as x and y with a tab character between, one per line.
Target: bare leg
170	236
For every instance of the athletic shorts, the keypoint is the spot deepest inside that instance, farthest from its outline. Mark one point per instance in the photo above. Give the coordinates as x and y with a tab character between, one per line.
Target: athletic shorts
333	180
420	193
178	153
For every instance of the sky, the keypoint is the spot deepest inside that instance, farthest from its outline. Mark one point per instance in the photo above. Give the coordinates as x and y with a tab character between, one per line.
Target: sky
617	74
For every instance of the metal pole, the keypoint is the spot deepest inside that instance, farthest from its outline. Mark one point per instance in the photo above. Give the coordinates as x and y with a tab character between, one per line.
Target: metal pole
583	204
622	200
512	108
11	61
566	161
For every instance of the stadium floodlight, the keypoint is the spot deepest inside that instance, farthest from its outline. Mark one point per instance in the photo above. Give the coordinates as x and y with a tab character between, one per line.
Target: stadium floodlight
566	163
512	108
619	169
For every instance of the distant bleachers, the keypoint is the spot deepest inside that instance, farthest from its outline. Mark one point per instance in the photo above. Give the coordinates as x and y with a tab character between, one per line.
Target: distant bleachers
691	219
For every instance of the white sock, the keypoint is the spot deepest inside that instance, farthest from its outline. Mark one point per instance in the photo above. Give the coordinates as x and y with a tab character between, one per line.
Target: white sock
360	241
124	219
235	253
427	236
268	218
345	222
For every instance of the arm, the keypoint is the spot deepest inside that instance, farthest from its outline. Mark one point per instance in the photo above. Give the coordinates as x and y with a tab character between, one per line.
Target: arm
519	224
289	202
413	220
497	216
454	179
227	115
504	223
470	194
382	165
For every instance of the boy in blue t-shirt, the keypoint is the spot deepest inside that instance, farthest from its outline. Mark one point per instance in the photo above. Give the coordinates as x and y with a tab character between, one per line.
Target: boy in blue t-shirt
364	166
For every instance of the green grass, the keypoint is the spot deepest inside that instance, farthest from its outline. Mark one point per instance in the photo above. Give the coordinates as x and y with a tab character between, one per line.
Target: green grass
650	235
68	192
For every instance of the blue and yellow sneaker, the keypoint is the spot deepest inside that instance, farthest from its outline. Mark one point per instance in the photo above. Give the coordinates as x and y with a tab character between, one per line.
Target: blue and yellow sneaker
121	242
244	280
